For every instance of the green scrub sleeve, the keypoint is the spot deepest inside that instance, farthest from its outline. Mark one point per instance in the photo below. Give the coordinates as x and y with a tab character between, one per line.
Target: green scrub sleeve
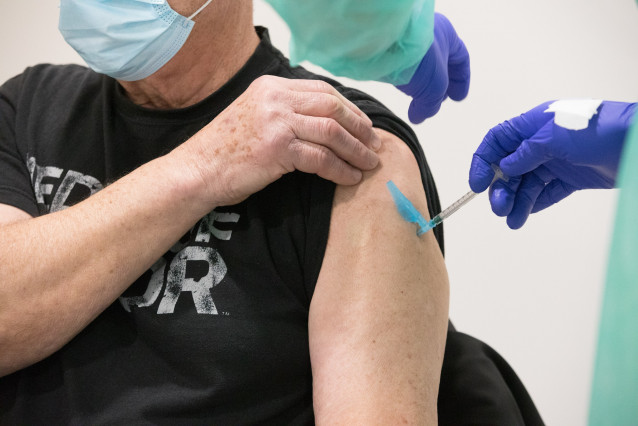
614	398
378	40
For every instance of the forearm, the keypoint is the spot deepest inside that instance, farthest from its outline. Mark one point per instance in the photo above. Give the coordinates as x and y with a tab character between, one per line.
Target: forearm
59	271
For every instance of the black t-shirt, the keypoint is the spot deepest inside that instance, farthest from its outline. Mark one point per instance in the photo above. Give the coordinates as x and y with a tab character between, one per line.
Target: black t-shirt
216	331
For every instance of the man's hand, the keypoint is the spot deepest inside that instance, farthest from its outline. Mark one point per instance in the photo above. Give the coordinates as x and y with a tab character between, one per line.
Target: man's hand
276	126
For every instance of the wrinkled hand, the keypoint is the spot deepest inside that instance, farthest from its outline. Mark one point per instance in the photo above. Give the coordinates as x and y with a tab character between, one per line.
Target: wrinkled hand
276	126
444	71
546	162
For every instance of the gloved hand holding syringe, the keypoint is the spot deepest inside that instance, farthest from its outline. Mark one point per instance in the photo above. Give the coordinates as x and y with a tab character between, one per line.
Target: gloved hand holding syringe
411	214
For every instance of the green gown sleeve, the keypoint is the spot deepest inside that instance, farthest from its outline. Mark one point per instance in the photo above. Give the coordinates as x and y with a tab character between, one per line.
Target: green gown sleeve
614	399
361	39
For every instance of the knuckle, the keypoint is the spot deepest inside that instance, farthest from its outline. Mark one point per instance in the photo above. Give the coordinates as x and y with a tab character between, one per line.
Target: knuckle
294	147
490	135
322	86
324	160
273	94
525	199
354	146
271	114
352	150
330	129
325	87
361	151
265	80
260	83
362	128
333	106
292	155
266	87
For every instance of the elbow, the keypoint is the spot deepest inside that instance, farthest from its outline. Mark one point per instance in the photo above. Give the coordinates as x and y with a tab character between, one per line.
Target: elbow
9	362
5	370
15	351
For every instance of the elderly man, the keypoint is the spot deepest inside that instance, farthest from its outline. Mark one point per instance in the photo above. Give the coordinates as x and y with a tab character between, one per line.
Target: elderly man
211	243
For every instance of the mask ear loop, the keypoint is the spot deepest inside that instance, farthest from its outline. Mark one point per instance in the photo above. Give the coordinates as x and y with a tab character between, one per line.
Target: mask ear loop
199	10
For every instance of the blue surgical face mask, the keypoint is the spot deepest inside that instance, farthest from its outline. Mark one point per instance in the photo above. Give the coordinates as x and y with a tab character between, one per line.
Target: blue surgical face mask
125	39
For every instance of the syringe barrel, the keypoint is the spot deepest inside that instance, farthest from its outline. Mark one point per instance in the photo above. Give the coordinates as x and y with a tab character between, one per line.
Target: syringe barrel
457	205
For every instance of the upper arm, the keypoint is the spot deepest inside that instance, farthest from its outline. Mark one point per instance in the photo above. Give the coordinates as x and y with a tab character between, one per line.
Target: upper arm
378	317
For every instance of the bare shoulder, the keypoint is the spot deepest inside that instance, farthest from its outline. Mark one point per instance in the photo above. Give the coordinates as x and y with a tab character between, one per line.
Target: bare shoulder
371	197
394	148
365	217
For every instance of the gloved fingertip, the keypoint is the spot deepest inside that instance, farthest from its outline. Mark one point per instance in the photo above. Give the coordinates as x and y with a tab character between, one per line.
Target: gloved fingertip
496	209
481	174
501	200
475	183
416	118
459	79
516	221
479	181
457	91
418	112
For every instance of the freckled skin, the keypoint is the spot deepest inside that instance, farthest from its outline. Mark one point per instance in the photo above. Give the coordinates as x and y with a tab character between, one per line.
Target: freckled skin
263	136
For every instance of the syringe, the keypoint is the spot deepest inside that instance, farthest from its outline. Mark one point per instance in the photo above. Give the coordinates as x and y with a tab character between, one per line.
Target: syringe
498	174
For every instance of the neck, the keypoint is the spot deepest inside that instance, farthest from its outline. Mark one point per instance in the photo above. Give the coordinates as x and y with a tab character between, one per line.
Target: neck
220	43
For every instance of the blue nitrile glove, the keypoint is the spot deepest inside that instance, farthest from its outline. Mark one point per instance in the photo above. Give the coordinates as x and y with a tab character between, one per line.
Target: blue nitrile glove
444	71
546	162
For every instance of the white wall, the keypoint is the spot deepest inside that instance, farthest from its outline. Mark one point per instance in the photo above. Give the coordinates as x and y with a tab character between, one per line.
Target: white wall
532	294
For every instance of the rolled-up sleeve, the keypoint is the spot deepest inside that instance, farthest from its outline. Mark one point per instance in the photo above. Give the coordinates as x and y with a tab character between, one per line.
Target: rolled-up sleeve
15	179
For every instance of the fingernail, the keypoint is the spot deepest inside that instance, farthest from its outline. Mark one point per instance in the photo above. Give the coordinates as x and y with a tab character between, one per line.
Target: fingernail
376	142
368	121
357	175
374	162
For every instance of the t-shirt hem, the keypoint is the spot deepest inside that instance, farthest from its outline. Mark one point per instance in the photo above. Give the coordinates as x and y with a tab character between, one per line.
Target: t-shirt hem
18	199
